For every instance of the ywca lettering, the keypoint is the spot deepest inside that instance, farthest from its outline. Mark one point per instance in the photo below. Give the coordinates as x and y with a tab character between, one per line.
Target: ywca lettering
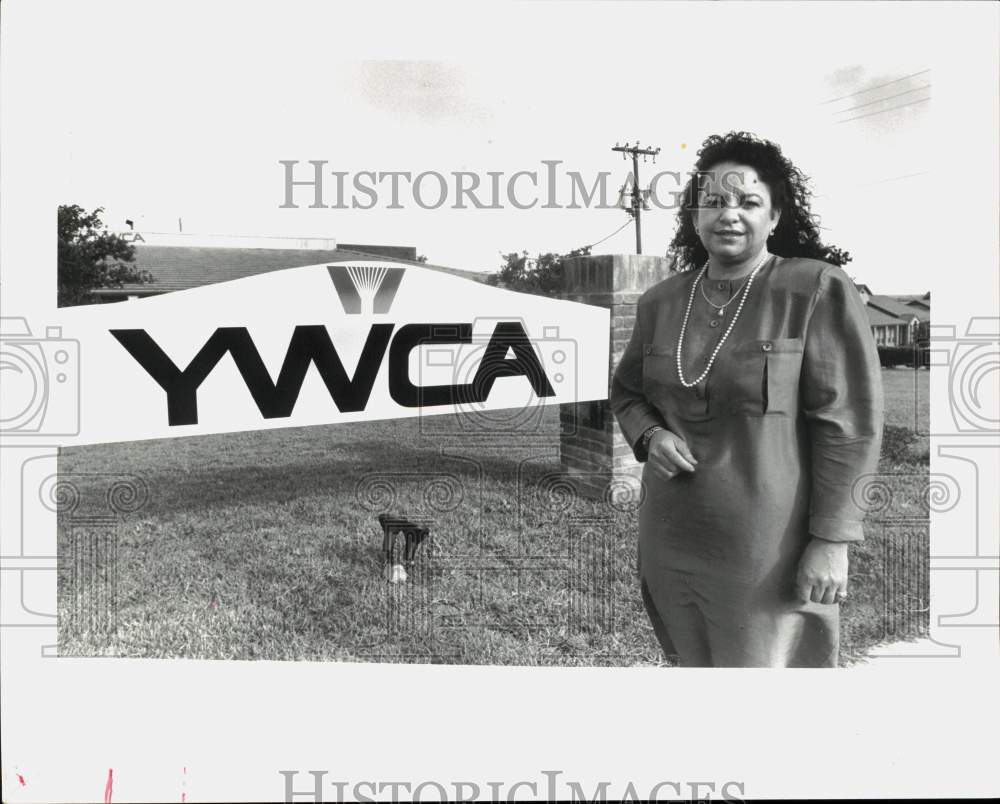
312	345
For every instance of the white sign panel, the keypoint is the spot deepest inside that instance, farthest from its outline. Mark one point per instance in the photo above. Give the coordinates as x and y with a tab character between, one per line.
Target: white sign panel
314	345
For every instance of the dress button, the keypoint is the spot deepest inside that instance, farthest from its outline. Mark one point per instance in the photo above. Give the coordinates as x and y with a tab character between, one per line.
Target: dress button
721	286
765	347
714	322
648	349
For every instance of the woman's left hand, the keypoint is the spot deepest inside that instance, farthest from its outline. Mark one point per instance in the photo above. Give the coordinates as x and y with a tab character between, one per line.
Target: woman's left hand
822	576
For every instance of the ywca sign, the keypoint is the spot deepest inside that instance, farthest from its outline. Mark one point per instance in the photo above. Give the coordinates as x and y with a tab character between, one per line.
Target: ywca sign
377	283
324	344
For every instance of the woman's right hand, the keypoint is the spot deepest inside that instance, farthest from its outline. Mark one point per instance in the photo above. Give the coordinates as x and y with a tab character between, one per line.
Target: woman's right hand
668	454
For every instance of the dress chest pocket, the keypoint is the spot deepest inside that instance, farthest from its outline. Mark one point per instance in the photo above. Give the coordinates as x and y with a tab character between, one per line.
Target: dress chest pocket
663	388
761	378
658	370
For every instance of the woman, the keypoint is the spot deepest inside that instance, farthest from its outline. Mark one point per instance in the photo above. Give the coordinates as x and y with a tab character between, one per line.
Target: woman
751	389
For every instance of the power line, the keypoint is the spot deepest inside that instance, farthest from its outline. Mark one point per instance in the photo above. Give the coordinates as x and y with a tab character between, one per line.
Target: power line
879	86
882	111
887	97
587	248
895	178
616	231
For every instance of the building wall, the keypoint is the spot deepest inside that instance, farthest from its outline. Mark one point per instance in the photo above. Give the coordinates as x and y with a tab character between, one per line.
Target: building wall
890	334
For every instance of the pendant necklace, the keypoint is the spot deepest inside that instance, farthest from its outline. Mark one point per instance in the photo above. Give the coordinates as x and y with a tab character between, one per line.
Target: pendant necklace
722	340
720	309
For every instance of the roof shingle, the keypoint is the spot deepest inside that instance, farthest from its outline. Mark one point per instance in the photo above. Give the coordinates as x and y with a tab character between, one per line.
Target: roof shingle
183	267
878	317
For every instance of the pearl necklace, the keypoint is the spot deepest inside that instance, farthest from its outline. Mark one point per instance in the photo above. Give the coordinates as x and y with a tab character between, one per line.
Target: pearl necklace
722	340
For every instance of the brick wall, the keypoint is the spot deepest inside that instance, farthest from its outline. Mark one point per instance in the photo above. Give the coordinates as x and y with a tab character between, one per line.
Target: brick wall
592	448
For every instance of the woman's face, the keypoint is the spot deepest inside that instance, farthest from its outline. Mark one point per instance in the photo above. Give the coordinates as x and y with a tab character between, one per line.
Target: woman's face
734	217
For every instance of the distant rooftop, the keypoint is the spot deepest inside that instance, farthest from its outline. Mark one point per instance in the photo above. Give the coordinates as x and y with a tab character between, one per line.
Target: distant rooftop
181	261
197	240
878	317
893	306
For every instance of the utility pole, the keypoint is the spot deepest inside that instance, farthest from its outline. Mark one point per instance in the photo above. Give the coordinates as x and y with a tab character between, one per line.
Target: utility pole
639	197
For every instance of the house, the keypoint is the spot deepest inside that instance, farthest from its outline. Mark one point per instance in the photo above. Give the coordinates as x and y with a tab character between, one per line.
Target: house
897	320
179	261
921	307
902	330
887	329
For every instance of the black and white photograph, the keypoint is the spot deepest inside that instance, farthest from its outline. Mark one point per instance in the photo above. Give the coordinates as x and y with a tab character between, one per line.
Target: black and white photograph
520	367
740	460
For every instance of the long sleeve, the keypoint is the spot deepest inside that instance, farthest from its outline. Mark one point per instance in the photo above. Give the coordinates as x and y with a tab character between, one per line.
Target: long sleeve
843	404
631	408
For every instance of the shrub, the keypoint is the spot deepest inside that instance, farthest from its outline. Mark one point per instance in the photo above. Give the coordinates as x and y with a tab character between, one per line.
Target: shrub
890	356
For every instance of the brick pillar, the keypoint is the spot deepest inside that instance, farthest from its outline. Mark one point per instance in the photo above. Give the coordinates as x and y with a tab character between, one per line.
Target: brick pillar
592	449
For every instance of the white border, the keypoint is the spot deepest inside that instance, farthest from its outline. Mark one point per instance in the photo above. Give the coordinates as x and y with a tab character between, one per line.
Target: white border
919	726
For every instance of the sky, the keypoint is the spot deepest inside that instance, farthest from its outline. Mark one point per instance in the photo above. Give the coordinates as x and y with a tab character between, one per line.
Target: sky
187	116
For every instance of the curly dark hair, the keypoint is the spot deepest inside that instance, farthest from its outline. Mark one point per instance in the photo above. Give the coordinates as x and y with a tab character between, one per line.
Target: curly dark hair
797	234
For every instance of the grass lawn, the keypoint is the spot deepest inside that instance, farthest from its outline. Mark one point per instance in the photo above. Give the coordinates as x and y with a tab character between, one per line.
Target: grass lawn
906	398
266	545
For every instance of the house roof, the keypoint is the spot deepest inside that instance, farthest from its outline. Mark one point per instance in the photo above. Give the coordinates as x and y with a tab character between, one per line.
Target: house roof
901	305
183	267
921	309
877	317
921	305
887	304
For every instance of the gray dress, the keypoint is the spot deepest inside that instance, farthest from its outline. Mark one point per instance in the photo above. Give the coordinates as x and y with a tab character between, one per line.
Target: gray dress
784	428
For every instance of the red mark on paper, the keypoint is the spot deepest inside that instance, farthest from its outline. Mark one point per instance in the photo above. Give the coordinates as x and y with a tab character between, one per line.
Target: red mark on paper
20	779
109	787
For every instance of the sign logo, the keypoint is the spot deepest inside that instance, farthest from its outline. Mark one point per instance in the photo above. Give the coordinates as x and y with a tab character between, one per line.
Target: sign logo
370	363
365	288
508	354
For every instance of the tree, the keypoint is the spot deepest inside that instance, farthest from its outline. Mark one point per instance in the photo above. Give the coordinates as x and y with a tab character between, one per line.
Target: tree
542	276
90	257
